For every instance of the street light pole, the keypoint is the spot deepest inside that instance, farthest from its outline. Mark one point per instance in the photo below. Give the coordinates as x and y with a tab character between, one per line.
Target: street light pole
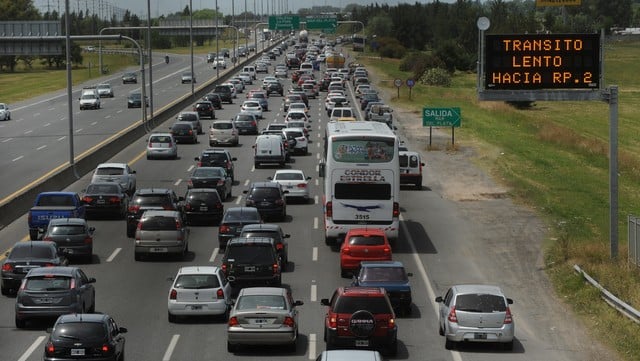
150	60
191	45
217	44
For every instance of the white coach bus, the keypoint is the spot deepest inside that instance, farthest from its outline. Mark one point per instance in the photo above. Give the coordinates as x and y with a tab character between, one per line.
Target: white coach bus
361	171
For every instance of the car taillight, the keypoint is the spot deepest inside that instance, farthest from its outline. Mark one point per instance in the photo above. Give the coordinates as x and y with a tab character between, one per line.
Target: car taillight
47	239
224	229
139	226
386	250
73	284
333	322
507	316
275	268
279	246
7	267
396	209
328	210
199	164
190	132
88	240
253	123
173	294
105	348
288	321
114	200
233	321
189	183
50	349
279	202
250	203
178	224
86	199
224	268
220	182
220	294
301	185
391	323
452	315
134	209
346	250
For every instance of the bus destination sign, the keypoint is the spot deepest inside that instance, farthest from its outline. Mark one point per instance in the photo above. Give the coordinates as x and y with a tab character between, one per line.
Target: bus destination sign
542	61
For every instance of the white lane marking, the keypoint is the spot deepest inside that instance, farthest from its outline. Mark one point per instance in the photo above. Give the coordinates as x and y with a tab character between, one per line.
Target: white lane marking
170	348
246	183
253	168
108	116
61	138
318	134
17	159
41	147
318	156
312	346
46	124
119	111
78	130
315	200
314	254
317	182
114	254
7	140
314	293
214	254
238	199
25	356
35	114
317	144
315	222
192	166
178	182
94	123
28	131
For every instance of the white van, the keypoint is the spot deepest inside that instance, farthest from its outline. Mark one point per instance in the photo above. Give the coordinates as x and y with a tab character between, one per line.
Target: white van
307	67
269	149
89	99
411	168
341	112
251	70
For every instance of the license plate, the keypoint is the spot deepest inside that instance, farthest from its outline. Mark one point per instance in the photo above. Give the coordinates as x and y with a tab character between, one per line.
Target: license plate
204	209
195	307
264	151
480	336
362	343
101	201
260	321
250	268
67	250
158	250
46	300
289	187
77	352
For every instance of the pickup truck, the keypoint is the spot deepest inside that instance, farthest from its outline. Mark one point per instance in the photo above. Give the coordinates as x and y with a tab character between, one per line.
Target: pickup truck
50	205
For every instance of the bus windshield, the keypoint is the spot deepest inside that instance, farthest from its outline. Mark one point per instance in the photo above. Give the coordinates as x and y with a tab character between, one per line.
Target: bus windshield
356	150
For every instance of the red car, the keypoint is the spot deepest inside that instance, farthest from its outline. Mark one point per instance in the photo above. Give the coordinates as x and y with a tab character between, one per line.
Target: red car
363	244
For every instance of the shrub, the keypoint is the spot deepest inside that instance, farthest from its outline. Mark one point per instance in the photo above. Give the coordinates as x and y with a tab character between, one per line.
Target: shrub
436	76
418	63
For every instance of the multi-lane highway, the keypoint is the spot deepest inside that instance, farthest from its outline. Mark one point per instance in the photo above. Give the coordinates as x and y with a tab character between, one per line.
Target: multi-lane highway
442	242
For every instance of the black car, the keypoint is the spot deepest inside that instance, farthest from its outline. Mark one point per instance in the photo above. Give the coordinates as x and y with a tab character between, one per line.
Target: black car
25	256
205	109
224	92
217	157
214	99
246	124
149	198
193	118
252	260
211	177
134	100
85	336
105	198
202	205
274	87
268	198
232	222
272	231
183	132
73	236
129	78
366	98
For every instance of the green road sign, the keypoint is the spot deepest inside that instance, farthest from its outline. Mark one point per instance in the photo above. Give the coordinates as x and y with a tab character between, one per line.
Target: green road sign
284	22
441	117
329	22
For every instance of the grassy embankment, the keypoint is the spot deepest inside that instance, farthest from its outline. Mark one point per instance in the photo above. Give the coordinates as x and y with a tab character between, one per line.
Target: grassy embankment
554	158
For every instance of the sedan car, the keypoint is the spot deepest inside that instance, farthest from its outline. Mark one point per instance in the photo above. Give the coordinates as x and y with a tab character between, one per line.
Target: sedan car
73	236
363	244
187	77
129	78
233	220
25	256
252	107
202	205
475	313
214	99
105	90
85	336
263	316
105	198
211	177
162	145
54	291
294	181
5	113
161	233
391	276
199	291
134	100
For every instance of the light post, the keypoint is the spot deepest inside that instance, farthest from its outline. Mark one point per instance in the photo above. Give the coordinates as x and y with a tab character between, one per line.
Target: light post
191	45
233	22
217	44
246	37
150	60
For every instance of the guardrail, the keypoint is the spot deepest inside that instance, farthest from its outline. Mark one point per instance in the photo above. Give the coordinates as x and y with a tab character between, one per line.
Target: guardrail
87	162
610	298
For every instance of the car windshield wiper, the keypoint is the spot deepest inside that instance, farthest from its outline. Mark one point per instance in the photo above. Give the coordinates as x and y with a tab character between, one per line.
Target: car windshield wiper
69	337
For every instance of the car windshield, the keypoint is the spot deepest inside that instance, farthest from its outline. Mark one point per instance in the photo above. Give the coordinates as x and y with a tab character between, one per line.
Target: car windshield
366	240
214	157
160	139
208	172
158	223
244	118
67	230
27	252
197	281
104	86
351	304
48	283
261	302
289	176
382	274
135	96
110	171
79	331
477	302
102	188
88	96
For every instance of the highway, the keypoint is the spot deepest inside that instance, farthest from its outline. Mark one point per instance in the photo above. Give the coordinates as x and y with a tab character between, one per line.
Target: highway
441	243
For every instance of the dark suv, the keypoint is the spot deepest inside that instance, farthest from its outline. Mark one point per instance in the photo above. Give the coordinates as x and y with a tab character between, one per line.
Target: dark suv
214	99
205	109
203	205
217	157
360	317
233	220
268	198
224	92
252	260
149	198
272	231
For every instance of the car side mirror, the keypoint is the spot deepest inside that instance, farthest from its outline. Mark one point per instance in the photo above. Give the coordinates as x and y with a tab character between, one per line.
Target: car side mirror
324	302
439	299
92	229
285	192
409	274
92	280
196	158
308	178
270	178
245	191
287	235
298	303
234	159
122	330
133	172
49	329
509	301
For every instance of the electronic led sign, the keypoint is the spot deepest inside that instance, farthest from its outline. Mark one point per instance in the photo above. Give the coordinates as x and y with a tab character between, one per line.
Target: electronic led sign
542	61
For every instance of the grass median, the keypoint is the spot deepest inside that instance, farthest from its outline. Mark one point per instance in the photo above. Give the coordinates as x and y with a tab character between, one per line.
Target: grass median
554	159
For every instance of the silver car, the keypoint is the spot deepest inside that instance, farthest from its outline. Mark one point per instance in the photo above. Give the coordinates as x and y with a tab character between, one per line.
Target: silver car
162	145
294	181
475	313
5	113
263	316
199	291
105	90
350	355
116	172
161	233
223	132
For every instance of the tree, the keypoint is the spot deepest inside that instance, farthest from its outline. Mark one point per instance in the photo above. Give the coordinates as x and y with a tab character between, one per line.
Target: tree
380	25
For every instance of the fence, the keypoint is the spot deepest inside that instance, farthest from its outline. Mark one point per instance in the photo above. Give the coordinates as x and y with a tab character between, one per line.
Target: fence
633	241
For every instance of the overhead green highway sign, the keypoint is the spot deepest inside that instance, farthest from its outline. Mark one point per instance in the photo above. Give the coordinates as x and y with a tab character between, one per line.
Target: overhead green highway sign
284	22
321	22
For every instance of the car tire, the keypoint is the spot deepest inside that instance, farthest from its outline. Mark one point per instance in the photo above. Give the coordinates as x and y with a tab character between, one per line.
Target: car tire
231	348
4	291
419	183
449	345
172	318
256	165
131	233
92	309
137	256
88	259
33	234
293	347
508	346
344	273
20	323
392	350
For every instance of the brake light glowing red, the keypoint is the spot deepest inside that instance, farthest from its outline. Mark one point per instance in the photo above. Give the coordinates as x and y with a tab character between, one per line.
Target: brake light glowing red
224	229
224	268
233	321
279	246
7	267
507	316
173	294
88	240
134	209
50	349
87	199
49	265
220	294
396	209
452	315
289	321
391	323
302	185
47	239
73	284
275	268
333	322
105	348
328	210
114	200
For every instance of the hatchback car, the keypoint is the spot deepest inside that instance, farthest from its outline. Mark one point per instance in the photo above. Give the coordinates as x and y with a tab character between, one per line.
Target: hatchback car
268	198
162	145
272	231
252	107
294	181
233	220
54	291
85	336
129	78
105	198
134	100
147	199
252	260
217	157
262	98
202	205
211	177
73	236
223	132
475	313
246	123
161	233
5	113
25	256
184	132
391	276
363	244
104	90
120	173
187	77
274	87
263	316
360	317
199	291
193	118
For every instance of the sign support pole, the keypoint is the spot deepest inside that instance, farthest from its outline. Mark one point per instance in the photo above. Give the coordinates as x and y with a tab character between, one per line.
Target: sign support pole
612	98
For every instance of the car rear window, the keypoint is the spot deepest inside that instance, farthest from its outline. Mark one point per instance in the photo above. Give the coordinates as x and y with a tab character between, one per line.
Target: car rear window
222	126
214	157
103	188
289	176
197	281
160	139
351	304
265	193
204	196
86	331
67	230
158	223
187	117
237	216
251	254
32	252
208	172
48	283
110	171
484	303
382	274
152	200
264	302
274	235
366	240
294	134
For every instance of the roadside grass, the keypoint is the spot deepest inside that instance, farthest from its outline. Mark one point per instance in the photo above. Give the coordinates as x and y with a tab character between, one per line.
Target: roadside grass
554	159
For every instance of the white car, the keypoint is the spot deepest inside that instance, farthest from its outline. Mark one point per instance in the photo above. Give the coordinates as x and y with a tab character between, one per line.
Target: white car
252	107
116	172
298	138
268	79
105	90
294	181
238	83
199	291
219	62
331	102
246	77
299	107
296	114
5	114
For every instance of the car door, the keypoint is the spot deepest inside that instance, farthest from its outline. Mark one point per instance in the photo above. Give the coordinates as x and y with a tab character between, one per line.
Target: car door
444	308
87	292
116	336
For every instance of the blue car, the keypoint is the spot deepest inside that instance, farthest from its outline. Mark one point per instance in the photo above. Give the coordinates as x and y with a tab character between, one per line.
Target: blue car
391	276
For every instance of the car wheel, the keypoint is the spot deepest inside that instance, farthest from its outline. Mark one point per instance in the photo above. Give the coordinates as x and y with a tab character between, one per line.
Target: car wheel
256	165
88	259
131	232
293	346
171	318
92	309
449	345
33	234
508	346
419	183
137	256
344	273
211	144
392	350
231	347
20	323
4	291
